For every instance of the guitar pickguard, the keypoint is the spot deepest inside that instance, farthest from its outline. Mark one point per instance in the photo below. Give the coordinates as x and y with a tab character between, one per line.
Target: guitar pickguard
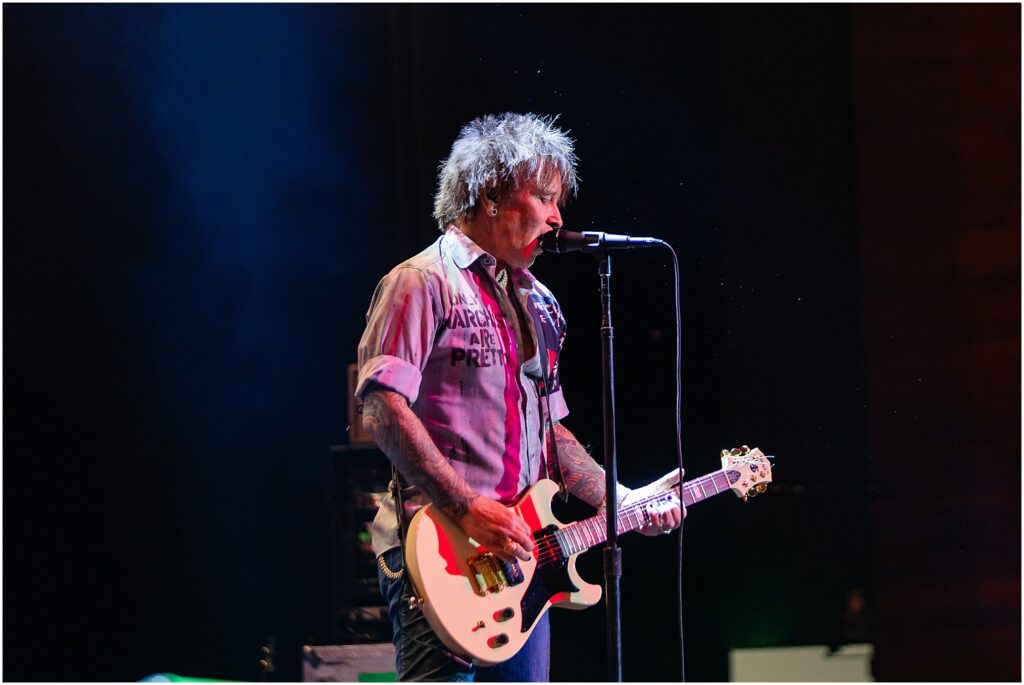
549	580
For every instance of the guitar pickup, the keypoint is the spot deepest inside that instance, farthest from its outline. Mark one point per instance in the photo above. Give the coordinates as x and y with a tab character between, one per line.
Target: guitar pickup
513	573
492	574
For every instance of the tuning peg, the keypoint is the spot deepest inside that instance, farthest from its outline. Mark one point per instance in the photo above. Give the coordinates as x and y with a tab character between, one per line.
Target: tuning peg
725	453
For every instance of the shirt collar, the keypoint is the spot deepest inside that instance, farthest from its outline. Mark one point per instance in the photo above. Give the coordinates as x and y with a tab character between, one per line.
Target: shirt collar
522	278
464	252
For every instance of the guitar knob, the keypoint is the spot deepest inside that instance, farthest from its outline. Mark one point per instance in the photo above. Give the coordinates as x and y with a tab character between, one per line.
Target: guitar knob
504	615
499	640
761	488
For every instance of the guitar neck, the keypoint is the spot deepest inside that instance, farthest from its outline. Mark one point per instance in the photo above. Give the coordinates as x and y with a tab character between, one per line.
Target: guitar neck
576	537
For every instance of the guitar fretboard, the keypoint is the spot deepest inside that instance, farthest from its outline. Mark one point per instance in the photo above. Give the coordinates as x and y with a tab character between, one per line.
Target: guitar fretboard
576	537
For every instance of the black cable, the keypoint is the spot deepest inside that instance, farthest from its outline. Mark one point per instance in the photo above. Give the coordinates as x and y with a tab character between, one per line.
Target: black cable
679	454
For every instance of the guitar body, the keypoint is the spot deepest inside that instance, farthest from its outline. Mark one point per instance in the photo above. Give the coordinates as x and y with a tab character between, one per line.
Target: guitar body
478	606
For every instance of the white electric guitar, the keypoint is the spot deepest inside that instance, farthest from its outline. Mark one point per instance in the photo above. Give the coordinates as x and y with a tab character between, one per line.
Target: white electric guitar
485	609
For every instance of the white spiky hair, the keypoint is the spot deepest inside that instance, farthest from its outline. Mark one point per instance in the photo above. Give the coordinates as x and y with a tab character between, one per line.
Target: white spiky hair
499	153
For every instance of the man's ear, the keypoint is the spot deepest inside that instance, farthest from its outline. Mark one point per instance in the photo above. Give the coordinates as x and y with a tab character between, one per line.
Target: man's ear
489	201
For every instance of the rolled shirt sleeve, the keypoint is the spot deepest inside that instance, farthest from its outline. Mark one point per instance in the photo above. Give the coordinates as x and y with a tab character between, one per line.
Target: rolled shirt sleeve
400	328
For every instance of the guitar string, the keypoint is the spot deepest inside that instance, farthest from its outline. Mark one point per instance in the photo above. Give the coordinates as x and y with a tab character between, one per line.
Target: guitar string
580	528
550	548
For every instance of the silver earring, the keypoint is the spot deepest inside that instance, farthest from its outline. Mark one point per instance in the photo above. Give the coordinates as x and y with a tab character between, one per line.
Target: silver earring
494	211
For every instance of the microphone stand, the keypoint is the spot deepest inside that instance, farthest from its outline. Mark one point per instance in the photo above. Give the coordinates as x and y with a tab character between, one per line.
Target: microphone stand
612	551
600	244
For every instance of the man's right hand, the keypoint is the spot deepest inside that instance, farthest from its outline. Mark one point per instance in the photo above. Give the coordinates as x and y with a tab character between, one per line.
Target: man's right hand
497	528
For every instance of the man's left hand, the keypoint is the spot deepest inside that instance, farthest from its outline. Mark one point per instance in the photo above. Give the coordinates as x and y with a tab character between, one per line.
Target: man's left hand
665	516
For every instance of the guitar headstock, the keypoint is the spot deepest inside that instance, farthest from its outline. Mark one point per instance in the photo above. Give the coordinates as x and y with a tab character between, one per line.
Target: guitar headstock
748	471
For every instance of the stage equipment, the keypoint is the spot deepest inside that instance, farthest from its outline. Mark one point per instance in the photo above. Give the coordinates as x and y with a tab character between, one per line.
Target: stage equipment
348	663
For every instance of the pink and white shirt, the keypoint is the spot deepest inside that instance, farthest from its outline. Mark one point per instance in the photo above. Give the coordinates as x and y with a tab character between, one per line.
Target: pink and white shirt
441	333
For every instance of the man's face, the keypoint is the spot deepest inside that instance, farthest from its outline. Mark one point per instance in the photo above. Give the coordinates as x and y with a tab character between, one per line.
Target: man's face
523	217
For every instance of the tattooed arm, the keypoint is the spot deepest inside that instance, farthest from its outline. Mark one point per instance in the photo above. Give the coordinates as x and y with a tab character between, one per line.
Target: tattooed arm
585	478
401	435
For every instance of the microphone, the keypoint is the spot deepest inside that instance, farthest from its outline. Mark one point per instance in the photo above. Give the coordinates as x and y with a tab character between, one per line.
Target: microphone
561	240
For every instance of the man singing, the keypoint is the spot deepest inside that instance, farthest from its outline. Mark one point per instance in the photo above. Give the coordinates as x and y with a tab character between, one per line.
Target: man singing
459	375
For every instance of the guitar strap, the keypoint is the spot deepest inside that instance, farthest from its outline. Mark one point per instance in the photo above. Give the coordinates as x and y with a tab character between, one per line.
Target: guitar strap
552	463
396	492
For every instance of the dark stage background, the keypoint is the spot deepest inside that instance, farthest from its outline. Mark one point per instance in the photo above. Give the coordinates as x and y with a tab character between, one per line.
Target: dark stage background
199	200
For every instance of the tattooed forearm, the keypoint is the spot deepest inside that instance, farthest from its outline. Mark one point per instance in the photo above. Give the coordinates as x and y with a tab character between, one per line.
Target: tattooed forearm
401	436
584	477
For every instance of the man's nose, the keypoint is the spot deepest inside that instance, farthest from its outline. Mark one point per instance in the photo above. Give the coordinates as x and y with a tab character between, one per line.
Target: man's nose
555	220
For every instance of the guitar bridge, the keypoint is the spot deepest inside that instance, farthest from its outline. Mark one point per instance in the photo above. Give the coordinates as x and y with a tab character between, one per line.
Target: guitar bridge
492	574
